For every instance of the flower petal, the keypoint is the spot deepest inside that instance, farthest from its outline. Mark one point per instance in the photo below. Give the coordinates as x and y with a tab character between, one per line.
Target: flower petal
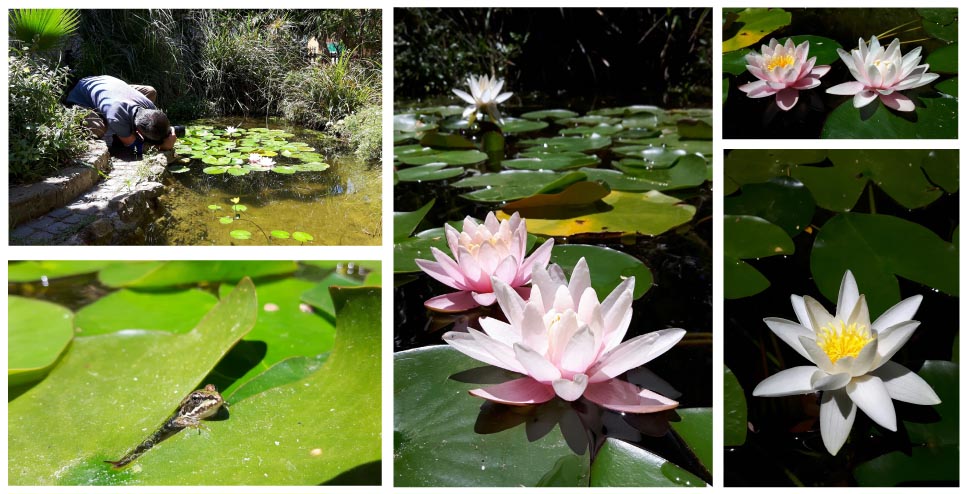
816	354
483	349
451	302
439	272
635	352
625	397
846	88
892	339
798	304
823	381
903	311
863	98
570	389
757	89
794	381
500	331
484	299
464	96
579	353
817	314
863	362
524	391
897	101
787	98
848	297
905	385
536	365
871	395
835	419
538	259
790	332
509	301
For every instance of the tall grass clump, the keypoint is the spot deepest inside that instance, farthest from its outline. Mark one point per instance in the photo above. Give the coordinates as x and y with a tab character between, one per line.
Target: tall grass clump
319	95
44	135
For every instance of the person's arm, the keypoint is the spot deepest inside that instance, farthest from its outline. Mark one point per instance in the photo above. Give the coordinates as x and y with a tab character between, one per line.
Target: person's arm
169	141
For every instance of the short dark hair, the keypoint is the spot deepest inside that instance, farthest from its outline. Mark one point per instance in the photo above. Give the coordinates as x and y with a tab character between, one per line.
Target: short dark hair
153	124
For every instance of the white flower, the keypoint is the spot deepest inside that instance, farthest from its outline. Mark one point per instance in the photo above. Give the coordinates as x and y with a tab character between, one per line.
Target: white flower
883	72
484	98
231	130
850	357
254	158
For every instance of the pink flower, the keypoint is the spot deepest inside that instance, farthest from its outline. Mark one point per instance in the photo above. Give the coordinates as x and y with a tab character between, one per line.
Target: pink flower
566	343
882	72
782	71
483	252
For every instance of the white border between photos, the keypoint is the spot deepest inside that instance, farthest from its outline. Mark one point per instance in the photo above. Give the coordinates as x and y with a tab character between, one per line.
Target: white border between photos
385	252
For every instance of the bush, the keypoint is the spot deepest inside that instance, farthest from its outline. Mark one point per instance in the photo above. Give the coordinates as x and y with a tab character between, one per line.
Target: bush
363	131
44	135
319	95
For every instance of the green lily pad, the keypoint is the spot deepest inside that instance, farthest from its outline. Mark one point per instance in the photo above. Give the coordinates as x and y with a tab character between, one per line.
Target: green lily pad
283	170
752	25
429	172
225	220
750	237
592	131
515	184
302	237
694	128
284	372
521	126
579	194
877	248
280	234
410	122
607	267
940	23
175	312
696	428
783	201
27	271
163	274
626	111
649	213
651	156
446	141
564	144
621	464
139	378
241	234
406	222
618	180
439	445
746	166
944	60
735	411
237	172
418	247
549	114
463	157
178	169
937	120
591	119
552	161
686	172
37	333
214	170
949	87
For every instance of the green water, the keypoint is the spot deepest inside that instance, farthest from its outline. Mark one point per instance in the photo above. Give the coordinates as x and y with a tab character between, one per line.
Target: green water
339	206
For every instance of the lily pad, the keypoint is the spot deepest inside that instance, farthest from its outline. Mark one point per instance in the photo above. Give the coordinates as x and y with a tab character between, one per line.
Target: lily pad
563	144
552	161
162	274
464	157
745	166
26	271
512	185
878	248
302	237
241	234
520	126
406	222
549	114
783	201
175	312
280	234
37	333
214	170
607	267
429	172
687	171
592	131
751	25
735	411
750	237
937	120
575	195
621	464
696	428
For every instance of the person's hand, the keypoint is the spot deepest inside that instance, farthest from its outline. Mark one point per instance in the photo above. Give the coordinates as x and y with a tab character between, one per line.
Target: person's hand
169	142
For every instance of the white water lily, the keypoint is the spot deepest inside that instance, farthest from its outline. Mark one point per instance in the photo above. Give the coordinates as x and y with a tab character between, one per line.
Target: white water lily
484	98
231	130
850	357
883	72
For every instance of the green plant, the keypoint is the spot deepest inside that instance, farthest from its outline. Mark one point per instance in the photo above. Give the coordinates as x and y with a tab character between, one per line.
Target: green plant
44	135
320	95
43	29
240	234
363	132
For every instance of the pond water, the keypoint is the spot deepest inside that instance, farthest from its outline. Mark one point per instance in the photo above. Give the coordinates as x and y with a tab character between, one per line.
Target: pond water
340	205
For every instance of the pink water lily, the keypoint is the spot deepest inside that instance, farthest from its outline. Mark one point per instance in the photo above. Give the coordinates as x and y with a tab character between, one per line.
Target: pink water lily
782	70
882	72
566	343
482	253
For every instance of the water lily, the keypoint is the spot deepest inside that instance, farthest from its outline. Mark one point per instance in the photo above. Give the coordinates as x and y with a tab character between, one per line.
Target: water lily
883	72
484	98
782	71
566	343
231	130
850	361
254	158
266	162
483	252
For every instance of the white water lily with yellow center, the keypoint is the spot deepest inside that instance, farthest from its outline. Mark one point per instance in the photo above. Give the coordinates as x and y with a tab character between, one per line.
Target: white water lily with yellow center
486	94
851	361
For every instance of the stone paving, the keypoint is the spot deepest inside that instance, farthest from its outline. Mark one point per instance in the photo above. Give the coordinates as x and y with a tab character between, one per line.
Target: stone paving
114	212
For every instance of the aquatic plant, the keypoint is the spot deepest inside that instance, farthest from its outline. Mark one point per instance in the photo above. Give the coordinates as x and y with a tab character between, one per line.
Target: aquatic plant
484	99
246	150
782	71
483	253
240	234
883	72
566	344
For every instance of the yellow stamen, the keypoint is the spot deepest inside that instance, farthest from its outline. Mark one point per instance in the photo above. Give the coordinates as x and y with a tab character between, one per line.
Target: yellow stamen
781	61
839	340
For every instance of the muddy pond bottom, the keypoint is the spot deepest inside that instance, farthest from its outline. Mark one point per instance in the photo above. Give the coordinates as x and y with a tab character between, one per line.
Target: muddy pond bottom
338	206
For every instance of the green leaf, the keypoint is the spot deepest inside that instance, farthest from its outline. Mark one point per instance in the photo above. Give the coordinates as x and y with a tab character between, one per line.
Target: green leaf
418	247
138	378
742	279
37	333
693	128
746	166
519	126
302	237
284	372
620	464
944	60
515	184
175	312
241	234
159	274
319	295
618	180
447	141
783	201
435	438
429	172
937	120
214	207
27	271
696	427
406	222
735	411
552	161
607	267
877	248
549	114
463	157
225	220
750	237
214	170
686	171
592	131
940	23
280	234
751	25
649	213
564	144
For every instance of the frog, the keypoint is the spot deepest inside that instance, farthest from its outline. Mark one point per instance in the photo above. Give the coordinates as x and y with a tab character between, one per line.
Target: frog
197	406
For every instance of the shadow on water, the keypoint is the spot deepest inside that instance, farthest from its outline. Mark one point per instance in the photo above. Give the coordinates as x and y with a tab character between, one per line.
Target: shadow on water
339	206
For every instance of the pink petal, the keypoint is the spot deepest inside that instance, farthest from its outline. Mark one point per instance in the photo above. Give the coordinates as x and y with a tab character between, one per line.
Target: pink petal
787	98
570	390
536	365
525	391
484	299
450	267
634	353
625	397
757	89
580	352
500	331
438	272
484	349
846	88
451	302
898	102
863	98
539	258
579	281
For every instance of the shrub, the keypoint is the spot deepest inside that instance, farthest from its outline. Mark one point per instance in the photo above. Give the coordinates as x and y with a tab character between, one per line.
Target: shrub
319	95
44	135
363	131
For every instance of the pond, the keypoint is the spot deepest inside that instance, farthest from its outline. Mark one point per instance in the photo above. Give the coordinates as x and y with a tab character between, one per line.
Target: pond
312	193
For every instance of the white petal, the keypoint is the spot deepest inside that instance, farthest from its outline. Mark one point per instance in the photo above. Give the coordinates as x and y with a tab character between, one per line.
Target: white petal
835	419
863	362
616	322
789	332
580	352
500	331
579	281
817	314
823	381
860	313
871	395
533	328
634	353
486	352
801	313
905	385
465	96
536	365
903	311
892	339
794	381
816	354
509	300
571	390
848	296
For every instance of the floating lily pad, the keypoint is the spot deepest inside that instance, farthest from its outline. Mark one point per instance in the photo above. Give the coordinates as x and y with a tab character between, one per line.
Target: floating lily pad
515	184
549	114
750	237
214	170
751	25
520	126
552	161
783	201
686	171
621	464
735	411
225	220
406	222
429	172
937	120
302	237
607	267
541	205
37	333
626	111
281	234
446	141
241	234
745	166
590	119
563	144
464	157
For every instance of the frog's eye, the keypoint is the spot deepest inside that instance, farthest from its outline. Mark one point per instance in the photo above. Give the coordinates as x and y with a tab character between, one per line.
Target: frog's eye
197	396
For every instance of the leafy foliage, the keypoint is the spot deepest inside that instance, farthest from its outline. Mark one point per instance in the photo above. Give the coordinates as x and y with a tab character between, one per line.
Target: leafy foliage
42	29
